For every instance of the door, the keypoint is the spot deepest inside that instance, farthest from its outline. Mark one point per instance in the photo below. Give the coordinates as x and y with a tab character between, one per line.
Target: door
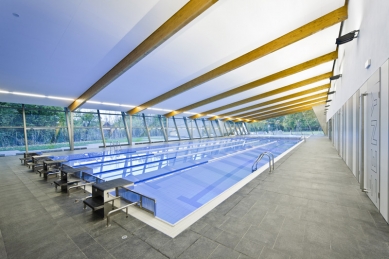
372	125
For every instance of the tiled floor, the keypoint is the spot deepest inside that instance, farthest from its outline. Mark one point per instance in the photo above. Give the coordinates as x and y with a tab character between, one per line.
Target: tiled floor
310	207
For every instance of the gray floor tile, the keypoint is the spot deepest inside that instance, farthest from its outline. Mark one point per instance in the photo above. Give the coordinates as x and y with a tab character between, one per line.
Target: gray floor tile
228	239
178	245
249	248
133	247
235	226
269	253
202	248
222	252
96	251
256	234
212	232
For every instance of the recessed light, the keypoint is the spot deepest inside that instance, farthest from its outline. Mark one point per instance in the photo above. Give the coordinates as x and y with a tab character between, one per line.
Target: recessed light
15	14
27	94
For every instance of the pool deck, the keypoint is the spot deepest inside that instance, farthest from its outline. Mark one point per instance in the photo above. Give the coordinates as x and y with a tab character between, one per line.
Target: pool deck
310	207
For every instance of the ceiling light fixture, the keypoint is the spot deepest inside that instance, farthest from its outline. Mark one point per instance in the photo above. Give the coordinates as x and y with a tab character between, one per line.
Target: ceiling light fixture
4	92
125	105
111	104
335	77
60	98
347	37
26	94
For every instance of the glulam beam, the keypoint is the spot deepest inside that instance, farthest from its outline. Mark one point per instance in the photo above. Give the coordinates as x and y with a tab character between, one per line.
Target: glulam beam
310	98
266	94
275	115
298	34
277	100
273	77
175	23
296	106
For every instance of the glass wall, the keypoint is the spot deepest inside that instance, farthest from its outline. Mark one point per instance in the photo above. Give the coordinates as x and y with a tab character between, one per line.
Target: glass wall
155	129
87	131
11	129
171	129
192	128
208	128
139	131
47	128
201	127
216	127
182	130
113	128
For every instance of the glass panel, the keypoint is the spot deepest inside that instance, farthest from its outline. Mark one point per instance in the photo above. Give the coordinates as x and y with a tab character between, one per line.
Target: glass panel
86	129
46	127
139	133
182	128
156	133
11	129
216	127
171	130
200	124
113	128
230	130
209	128
192	128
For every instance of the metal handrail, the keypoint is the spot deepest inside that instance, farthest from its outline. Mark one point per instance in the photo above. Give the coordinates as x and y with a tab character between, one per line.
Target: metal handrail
77	186
119	209
271	161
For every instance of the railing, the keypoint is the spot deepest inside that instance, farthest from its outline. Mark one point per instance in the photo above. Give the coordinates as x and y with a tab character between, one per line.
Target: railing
144	202
116	145
271	161
118	209
87	179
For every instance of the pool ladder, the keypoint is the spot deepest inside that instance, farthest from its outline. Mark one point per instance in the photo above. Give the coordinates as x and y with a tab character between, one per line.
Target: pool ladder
271	161
114	145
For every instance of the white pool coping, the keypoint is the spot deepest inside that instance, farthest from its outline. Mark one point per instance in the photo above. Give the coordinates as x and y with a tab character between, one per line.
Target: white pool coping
174	230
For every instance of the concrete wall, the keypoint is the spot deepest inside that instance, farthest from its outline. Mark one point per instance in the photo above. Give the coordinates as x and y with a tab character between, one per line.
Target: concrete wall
357	149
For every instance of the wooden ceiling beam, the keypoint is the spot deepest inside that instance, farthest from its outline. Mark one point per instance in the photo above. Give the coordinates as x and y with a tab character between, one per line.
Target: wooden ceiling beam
284	73
296	106
275	115
281	105
298	34
175	23
282	114
277	100
266	94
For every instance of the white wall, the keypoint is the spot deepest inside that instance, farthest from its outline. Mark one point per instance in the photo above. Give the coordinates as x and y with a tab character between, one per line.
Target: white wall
371	18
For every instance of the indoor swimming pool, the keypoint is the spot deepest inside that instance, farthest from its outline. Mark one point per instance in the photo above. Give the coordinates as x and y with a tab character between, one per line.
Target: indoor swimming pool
183	176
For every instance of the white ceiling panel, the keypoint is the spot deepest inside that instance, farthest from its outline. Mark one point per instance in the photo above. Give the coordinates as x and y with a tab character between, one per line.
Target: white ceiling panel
318	70
316	45
307	87
61	48
225	31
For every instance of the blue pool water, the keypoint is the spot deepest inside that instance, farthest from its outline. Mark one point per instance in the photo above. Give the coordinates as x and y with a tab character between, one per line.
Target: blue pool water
183	176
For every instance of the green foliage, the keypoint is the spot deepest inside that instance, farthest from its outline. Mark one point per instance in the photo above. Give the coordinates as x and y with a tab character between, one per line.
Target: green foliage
302	121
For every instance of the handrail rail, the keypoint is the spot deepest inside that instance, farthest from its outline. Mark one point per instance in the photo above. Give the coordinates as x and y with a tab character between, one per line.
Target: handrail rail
125	188
118	209
271	161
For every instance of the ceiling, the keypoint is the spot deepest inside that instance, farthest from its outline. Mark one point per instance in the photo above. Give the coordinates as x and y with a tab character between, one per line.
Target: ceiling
59	49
